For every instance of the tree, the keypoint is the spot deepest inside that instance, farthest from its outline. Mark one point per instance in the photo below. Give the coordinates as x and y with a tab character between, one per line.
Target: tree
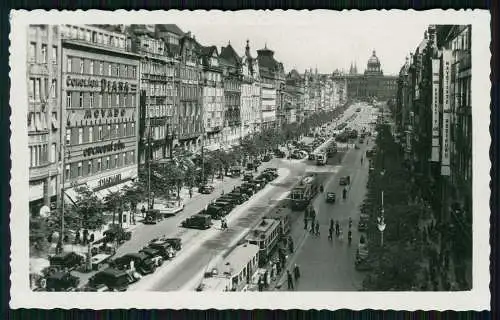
114	203
135	193
38	235
89	208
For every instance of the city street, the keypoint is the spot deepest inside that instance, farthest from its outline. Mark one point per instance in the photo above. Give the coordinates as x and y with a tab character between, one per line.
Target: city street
328	265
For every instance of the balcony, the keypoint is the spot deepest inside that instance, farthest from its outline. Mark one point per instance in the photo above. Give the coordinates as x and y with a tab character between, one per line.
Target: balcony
42	171
464	59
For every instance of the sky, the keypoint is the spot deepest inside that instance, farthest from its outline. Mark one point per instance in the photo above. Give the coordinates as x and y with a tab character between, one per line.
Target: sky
303	40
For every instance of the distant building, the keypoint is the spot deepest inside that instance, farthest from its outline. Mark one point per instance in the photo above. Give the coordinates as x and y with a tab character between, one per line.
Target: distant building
231	66
271	74
250	93
372	84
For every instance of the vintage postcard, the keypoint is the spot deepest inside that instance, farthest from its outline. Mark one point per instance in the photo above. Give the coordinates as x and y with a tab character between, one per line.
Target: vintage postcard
250	159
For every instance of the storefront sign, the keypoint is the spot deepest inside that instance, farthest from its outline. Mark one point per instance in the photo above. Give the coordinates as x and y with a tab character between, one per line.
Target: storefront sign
113	146
445	151
108	86
435	110
104	113
109	181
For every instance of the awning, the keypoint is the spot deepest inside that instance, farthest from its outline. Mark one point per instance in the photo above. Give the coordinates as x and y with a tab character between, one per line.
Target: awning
102	194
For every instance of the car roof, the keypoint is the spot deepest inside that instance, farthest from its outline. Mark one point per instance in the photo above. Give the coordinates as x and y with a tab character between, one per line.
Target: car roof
113	272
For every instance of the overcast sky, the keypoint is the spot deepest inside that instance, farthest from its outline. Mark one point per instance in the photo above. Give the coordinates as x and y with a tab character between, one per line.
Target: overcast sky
303	40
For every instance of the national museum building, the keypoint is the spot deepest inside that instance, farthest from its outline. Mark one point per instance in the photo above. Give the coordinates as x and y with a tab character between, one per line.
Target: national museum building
373	84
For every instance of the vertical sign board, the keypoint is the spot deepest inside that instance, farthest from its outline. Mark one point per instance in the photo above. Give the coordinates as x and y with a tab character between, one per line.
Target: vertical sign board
436	63
445	151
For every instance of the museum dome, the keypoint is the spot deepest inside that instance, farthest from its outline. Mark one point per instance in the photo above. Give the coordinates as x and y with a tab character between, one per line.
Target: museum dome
373	65
373	61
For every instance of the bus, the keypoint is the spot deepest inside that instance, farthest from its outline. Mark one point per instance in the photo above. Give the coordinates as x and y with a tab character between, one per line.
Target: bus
266	236
234	272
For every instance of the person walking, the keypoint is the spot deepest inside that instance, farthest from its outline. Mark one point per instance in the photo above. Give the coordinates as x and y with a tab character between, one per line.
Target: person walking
266	279
143	211
337	228
341	234
330	233
296	272
349	236
289	280
331	224
317	228
274	271
190	193
305	222
350	223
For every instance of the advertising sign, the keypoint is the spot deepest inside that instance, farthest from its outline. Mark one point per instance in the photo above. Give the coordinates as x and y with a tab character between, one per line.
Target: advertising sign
435	109
445	150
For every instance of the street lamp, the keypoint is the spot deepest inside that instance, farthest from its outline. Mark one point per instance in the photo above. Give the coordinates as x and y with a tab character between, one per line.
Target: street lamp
380	220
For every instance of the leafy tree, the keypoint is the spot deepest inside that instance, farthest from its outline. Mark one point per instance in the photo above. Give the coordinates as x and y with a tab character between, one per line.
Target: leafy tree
89	208
38	235
114	203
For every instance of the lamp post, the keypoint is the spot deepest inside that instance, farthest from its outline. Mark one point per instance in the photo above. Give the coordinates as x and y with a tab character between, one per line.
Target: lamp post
380	220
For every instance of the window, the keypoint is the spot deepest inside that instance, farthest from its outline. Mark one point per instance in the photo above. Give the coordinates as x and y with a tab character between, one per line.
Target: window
132	128
109	100
99	133
66	172
31	89
44	53
79	172
125	70
37	89
118	70
91	100
99	164
80	100
117	99
124	158
115	161
100	100
109	69
91	134
53	88
80	135
68	65
91	71
68	99
106	165
101	68
117	130
32	52
108	131
82	62
53	152
132	157
89	167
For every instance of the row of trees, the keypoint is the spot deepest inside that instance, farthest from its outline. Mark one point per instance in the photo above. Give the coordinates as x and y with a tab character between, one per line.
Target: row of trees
397	265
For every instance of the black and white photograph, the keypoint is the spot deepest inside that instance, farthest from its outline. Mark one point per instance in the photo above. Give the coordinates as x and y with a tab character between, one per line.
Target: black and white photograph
255	158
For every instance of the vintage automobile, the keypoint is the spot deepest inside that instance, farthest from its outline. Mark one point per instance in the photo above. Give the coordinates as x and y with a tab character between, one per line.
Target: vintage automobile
247	176
60	281
164	247
244	190
370	153
117	233
266	158
260	182
273	170
228	206
236	171
227	198
67	260
112	278
142	263
215	211
345	180
153	216
239	198
249	188
279	154
206	189
153	254
330	197
363	222
198	221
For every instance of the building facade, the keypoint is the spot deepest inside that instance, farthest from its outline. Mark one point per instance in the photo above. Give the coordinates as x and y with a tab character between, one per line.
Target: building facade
250	93
433	117
373	84
43	75
294	97
213	98
100	96
232	77
158	116
190	90
270	70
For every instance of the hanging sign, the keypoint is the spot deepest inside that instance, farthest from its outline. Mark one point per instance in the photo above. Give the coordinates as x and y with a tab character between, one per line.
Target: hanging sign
445	150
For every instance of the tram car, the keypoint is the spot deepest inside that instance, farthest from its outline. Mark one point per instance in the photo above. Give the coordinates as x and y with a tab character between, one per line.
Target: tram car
266	236
302	194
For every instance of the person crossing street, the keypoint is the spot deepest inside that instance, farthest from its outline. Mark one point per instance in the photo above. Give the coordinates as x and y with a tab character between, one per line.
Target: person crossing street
317	228
289	280
296	272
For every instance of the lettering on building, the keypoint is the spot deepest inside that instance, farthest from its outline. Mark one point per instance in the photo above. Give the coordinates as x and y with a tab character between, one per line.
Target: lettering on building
109	181
113	146
104	113
106	86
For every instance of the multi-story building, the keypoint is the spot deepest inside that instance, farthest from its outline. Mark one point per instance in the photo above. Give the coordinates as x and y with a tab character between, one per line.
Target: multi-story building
340	83
99	102
190	91
158	115
373	83
270	71
43	68
231	64
294	93
213	98
433	117
250	93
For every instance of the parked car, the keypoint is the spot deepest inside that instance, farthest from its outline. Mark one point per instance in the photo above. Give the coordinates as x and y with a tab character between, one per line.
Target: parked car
227	198
112	278
206	189
261	182
363	222
244	190
69	260
117	233
228	206
215	211
198	221
248	176
142	263
60	281
250	187
330	197
266	158
279	154
155	255
164	247
241	197
236	171
272	170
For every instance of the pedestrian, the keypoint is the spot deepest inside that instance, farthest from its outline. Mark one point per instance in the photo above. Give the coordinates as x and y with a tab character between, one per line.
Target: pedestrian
317	228
341	234
337	228
330	233
143	211
331	224
266	280
260	284
77	237
296	272
190	193
278	268
305	222
312	229
289	280
274	270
